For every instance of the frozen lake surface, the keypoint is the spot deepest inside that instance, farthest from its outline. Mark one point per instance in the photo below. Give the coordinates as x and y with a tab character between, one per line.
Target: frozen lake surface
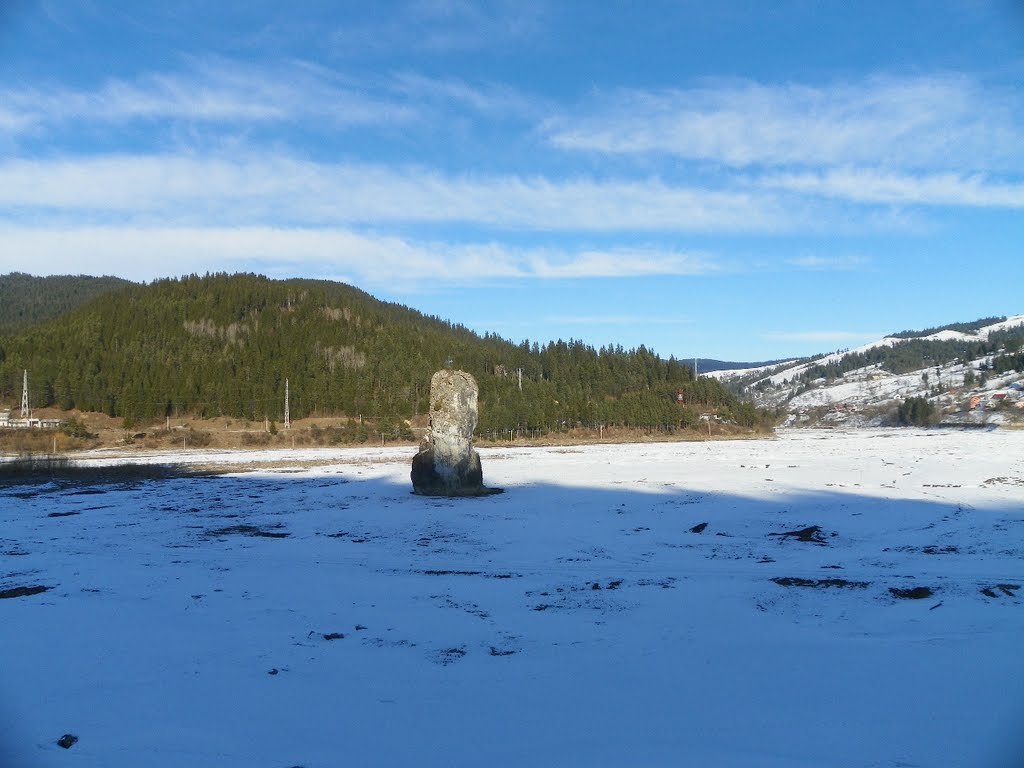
617	605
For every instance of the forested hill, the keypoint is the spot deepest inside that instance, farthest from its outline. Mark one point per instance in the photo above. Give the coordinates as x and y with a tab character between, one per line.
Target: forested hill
225	344
26	300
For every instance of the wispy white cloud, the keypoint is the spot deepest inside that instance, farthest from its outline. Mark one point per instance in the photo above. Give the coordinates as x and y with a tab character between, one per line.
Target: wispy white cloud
443	26
286	190
623	263
145	253
874	186
918	122
823	263
488	98
209	91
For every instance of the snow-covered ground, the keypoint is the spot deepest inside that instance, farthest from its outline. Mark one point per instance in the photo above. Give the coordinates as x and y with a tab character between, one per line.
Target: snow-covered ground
315	613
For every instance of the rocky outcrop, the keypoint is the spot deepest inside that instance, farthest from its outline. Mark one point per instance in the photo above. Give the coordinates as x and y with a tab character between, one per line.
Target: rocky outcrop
447	464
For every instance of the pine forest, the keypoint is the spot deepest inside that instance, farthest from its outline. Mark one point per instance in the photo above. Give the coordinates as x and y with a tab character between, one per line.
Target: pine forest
224	345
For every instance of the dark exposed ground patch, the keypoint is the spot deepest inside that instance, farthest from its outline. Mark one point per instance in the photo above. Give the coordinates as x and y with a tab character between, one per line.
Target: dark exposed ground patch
63	514
450	655
933	550
469	607
1004	481
22	592
249	530
667	582
447	572
699	528
911	593
1010	590
355	538
812	534
796	581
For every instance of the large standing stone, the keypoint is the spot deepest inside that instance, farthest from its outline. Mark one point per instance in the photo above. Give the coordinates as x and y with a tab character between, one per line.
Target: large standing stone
447	464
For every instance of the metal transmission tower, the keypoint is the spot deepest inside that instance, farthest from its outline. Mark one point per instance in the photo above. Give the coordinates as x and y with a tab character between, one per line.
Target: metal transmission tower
287	414
26	412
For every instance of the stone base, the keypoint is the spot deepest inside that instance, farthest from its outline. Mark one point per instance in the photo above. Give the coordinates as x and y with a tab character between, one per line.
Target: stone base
464	479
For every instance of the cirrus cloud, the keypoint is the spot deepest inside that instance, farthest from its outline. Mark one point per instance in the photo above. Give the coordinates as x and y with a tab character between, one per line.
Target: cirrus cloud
902	122
287	190
144	253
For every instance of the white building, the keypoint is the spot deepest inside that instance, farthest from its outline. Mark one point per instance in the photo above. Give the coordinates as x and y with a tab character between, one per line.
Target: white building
6	422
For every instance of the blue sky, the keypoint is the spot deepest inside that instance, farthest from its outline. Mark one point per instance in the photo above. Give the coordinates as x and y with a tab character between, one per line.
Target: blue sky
738	180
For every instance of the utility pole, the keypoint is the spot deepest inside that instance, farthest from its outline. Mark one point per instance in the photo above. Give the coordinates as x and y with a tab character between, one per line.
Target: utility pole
26	412
287	414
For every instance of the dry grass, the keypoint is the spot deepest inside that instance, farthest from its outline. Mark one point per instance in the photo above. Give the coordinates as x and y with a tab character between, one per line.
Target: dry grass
46	468
238	434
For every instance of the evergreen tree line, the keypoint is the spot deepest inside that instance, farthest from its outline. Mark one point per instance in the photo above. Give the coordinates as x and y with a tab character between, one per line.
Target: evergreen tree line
969	327
224	345
916	412
1005	363
26	300
916	354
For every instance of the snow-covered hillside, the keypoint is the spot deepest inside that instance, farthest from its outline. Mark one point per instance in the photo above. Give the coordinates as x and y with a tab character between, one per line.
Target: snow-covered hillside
842	599
961	389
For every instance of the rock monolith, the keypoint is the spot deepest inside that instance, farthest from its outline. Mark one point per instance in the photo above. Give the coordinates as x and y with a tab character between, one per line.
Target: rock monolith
447	464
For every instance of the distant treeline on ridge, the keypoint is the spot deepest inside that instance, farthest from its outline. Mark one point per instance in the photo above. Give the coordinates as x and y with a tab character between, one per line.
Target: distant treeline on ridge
223	345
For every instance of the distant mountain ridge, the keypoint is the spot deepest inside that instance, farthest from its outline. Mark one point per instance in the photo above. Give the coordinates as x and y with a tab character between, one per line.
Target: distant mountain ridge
966	371
708	365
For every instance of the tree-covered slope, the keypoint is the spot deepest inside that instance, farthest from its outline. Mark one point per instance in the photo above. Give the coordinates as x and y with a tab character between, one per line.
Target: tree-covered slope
225	344
26	300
